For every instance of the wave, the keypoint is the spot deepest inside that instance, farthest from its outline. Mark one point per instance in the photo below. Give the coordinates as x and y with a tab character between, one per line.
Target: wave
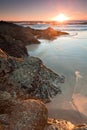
60	28
39	26
69	26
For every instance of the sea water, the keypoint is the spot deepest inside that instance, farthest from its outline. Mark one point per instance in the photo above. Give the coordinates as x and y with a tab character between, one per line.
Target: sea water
66	55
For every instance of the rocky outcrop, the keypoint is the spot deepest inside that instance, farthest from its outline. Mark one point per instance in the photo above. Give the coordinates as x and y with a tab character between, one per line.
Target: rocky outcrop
14	38
24	78
21	115
29	114
48	33
28	77
80	127
21	79
17	33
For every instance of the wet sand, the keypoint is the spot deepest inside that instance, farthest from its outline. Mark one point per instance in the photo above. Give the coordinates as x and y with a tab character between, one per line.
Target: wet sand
72	108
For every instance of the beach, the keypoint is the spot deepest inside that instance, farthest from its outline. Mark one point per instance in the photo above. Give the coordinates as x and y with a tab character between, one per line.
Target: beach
67	56
48	83
43	65
68	108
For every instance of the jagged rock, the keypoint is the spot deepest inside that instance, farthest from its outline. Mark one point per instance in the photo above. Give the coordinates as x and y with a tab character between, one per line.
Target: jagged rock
28	77
16	84
21	115
48	33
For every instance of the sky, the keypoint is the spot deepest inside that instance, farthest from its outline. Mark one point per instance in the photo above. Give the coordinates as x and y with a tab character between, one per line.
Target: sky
32	10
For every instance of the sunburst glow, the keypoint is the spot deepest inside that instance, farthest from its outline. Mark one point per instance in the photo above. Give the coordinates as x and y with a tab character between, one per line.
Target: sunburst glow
61	18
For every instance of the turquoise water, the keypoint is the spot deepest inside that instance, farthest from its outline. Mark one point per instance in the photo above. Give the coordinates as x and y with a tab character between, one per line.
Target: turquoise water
67	55
64	53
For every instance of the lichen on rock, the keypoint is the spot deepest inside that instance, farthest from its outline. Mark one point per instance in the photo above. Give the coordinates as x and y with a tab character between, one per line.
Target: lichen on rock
28	77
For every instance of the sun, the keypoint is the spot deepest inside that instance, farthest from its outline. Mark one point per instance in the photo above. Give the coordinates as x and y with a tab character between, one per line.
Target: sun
61	18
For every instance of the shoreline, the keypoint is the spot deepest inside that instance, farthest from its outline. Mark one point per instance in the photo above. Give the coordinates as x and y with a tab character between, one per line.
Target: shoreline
63	107
25	82
61	104
71	105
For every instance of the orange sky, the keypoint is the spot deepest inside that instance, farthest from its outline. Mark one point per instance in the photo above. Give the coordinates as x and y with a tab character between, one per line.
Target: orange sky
18	10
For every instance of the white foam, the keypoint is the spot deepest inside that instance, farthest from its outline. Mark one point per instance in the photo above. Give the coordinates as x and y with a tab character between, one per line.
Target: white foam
78	75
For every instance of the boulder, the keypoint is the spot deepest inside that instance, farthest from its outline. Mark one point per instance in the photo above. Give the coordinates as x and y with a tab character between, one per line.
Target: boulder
29	114
28	77
21	115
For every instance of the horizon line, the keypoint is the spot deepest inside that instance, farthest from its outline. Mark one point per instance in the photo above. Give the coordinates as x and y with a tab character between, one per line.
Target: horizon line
41	20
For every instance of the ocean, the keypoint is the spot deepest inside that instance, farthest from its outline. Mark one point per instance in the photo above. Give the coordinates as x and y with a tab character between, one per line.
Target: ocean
66	55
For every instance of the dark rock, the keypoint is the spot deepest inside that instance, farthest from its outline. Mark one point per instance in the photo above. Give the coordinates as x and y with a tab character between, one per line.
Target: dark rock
28	78
24	78
17	33
12	47
14	38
